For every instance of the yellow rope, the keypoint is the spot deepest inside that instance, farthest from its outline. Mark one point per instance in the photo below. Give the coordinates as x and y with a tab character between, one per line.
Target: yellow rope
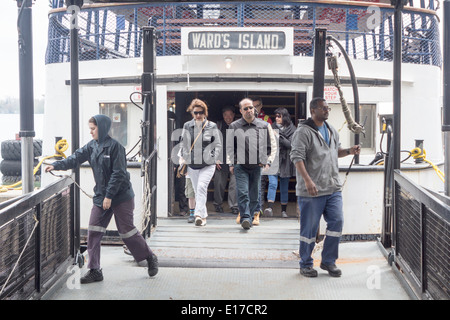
60	147
416	153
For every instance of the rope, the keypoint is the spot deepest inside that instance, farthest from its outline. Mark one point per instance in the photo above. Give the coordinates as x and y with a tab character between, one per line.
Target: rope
20	256
60	147
73	180
146	199
416	153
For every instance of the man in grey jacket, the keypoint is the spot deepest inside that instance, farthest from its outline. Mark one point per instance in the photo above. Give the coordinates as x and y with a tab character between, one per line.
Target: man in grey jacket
315	152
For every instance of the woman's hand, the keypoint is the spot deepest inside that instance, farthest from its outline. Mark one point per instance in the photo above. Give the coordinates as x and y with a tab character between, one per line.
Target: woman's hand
106	203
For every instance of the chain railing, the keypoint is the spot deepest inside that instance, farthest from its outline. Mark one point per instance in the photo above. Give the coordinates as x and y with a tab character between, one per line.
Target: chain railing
366	32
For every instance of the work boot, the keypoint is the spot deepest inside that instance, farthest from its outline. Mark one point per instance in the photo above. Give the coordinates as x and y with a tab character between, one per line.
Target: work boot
256	219
246	224
152	262
93	275
309	272
332	269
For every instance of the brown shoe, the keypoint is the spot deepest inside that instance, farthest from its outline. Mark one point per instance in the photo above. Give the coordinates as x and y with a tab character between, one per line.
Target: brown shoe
256	219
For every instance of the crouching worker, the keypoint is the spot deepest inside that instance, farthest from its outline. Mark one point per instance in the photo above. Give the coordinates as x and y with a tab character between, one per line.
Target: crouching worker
113	196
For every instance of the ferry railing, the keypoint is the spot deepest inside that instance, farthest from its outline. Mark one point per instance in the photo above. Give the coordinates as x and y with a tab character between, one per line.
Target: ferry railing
421	237
36	241
115	31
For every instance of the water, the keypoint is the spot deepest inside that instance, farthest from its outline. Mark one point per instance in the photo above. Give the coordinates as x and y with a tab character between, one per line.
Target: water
10	125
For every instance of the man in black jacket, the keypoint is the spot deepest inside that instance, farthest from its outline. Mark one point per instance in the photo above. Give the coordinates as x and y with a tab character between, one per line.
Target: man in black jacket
113	196
253	148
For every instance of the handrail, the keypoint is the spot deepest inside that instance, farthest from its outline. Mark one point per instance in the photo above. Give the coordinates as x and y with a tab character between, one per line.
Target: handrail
114	30
32	199
318	2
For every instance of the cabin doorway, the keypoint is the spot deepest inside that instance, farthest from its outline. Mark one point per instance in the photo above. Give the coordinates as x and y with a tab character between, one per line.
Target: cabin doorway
294	102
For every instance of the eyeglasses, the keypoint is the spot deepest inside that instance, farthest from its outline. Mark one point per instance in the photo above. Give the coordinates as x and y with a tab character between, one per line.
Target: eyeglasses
199	112
246	108
324	108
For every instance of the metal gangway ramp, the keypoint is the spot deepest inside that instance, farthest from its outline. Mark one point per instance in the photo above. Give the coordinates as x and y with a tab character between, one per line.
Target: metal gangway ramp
221	261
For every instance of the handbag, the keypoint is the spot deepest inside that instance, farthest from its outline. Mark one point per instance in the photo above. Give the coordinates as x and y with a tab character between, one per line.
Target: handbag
182	169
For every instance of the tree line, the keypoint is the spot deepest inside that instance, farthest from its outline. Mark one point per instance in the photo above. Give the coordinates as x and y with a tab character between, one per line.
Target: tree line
12	105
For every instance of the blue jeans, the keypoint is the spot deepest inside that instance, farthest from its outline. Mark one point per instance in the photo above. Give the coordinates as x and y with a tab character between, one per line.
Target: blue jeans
248	183
311	209
272	189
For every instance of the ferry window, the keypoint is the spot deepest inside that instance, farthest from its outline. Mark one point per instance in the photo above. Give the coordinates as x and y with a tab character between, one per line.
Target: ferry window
367	117
367	114
118	112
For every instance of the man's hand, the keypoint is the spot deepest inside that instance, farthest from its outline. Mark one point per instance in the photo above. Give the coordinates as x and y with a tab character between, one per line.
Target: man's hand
311	187
49	168
356	149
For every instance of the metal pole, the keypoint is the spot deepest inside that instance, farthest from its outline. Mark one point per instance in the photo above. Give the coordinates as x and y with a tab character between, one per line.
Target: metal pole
319	62
24	25
148	88
397	80
446	102
149	122
74	6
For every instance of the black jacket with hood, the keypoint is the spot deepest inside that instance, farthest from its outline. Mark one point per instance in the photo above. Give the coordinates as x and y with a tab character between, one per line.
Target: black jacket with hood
108	162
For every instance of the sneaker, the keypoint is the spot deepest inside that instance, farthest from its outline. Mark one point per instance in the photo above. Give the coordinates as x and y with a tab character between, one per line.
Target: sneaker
234	210
284	214
93	275
309	272
200	222
256	219
219	208
152	263
191	219
246	224
268	212
332	269
126	250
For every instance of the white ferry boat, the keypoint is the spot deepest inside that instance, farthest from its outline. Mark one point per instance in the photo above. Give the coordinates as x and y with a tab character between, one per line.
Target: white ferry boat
280	72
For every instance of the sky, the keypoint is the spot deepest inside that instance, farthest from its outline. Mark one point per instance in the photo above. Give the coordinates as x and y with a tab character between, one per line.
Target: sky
9	53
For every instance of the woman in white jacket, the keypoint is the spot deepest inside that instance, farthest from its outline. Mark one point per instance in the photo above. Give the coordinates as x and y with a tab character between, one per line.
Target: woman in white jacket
201	146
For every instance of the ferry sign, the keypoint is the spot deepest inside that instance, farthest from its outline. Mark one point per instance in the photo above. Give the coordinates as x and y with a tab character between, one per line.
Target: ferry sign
248	41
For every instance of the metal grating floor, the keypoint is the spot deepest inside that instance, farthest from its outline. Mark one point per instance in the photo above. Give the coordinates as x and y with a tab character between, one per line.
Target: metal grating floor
221	261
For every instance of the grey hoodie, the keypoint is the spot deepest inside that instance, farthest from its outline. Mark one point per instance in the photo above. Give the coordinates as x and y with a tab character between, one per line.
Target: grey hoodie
320	159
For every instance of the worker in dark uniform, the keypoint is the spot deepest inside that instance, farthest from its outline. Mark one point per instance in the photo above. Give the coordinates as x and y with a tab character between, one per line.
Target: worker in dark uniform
113	196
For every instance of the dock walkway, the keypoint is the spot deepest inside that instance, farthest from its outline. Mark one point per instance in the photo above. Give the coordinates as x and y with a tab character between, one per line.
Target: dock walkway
221	261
